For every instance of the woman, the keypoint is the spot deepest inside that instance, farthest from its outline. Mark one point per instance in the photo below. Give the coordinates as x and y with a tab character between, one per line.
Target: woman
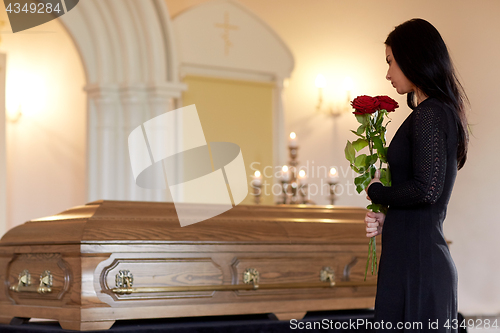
417	279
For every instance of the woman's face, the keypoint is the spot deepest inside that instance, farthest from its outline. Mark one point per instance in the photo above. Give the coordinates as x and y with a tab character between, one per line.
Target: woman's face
396	76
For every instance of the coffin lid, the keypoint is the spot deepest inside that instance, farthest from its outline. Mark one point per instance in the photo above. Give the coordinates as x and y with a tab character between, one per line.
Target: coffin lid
131	221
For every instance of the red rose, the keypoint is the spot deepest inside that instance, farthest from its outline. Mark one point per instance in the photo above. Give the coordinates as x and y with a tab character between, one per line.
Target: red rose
387	103
365	104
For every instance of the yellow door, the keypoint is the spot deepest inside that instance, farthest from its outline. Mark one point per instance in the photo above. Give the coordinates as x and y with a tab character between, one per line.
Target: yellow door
240	112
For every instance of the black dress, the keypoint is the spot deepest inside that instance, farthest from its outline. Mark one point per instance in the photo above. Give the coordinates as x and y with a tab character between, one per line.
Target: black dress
417	278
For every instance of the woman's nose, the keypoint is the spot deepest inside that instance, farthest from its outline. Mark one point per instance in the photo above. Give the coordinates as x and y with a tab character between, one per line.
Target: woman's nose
388	77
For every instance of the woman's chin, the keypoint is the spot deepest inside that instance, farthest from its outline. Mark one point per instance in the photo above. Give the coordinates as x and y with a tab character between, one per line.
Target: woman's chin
400	91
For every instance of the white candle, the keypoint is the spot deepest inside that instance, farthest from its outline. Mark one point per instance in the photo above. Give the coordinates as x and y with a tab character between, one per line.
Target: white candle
292	140
302	177
257	178
333	175
285	173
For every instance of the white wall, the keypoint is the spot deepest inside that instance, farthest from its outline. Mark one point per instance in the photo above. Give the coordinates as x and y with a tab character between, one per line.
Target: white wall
345	38
3	154
46	146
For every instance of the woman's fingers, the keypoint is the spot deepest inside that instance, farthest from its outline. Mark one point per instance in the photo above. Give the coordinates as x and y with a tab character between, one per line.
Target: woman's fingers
371	214
370	218
372	229
374	222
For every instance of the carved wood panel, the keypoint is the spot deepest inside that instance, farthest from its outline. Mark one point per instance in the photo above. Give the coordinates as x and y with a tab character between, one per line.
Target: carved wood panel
35	266
162	272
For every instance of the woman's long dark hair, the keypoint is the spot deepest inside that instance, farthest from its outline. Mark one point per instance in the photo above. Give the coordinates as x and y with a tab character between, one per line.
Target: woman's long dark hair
423	58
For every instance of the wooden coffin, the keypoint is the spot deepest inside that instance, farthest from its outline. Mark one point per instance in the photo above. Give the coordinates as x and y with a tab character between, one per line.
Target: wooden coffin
109	260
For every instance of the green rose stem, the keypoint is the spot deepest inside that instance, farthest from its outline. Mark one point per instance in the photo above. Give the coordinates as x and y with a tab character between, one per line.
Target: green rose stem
370	113
372	245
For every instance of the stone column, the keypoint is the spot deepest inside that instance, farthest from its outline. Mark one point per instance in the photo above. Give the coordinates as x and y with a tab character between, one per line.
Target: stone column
135	112
113	113
103	121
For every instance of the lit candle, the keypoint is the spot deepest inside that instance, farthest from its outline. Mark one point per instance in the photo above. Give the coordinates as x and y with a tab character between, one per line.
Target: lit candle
257	178
333	175
292	140
302	177
285	173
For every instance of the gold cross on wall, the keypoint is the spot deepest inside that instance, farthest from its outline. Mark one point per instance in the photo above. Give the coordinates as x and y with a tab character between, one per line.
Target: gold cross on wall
225	36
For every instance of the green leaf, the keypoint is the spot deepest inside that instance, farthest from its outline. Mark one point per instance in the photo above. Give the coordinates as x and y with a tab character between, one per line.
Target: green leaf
383	177
382	137
360	161
381	150
383	155
379	122
370	160
360	130
355	169
363	119
362	181
349	151
374	207
377	143
360	144
357	133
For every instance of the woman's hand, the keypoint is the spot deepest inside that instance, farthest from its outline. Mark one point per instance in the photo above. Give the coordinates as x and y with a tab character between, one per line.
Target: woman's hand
376	179
374	224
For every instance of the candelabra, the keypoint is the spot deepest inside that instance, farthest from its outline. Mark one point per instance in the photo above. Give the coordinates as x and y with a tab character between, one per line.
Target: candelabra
332	197
293	177
257	187
303	195
294	187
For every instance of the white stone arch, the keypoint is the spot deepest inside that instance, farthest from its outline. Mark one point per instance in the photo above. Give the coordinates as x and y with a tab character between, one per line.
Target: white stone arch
132	75
257	53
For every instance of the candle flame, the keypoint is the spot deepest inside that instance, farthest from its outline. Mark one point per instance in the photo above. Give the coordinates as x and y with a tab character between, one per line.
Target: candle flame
302	173
285	168
293	135
257	173
333	171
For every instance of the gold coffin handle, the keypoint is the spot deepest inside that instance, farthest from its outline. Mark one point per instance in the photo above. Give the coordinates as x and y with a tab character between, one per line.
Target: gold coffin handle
251	280
24	283
327	275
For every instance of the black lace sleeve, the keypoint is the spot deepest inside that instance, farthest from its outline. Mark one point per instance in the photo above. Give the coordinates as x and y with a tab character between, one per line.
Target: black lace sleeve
428	144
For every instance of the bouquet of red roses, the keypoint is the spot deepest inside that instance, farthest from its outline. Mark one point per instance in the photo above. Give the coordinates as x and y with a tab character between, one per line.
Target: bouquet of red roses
370	113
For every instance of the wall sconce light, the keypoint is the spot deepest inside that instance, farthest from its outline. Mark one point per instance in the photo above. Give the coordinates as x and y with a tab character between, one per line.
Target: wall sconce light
14	115
341	107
